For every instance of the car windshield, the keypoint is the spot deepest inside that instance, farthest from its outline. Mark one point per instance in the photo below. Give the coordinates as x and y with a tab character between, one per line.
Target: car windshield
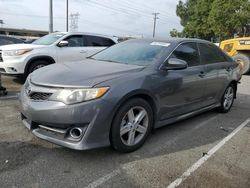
133	52
48	39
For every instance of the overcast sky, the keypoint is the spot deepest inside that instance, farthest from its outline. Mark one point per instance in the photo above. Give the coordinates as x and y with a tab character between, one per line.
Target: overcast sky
113	17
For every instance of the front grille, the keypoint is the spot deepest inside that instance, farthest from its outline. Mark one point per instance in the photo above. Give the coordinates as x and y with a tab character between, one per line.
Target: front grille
38	96
1	59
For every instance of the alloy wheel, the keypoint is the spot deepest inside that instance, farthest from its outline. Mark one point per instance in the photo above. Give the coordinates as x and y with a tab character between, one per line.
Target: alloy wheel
134	126
228	97
38	67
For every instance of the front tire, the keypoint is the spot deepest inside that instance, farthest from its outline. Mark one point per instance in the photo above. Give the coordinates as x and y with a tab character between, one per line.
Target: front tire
227	99
131	125
36	65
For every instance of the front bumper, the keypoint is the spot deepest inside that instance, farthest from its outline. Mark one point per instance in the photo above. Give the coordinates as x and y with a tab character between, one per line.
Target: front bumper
13	66
52	121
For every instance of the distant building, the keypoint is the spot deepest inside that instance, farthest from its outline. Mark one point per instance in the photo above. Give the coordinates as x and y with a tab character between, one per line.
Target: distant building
22	33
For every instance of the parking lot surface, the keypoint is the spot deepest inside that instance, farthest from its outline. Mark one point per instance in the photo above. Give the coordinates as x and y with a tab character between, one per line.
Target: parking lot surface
26	161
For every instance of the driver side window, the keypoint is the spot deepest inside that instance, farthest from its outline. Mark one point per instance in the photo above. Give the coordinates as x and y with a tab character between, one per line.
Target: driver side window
187	52
75	41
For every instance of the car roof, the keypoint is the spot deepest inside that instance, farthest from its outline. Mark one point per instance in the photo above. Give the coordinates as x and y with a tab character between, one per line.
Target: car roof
172	40
86	33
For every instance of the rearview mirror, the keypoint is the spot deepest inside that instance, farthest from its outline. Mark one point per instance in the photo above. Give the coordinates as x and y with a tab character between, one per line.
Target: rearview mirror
175	64
63	43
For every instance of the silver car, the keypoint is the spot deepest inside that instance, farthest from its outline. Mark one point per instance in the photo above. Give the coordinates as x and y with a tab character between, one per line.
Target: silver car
119	95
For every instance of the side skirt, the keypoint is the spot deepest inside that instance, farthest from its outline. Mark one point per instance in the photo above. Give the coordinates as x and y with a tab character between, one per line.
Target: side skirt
184	116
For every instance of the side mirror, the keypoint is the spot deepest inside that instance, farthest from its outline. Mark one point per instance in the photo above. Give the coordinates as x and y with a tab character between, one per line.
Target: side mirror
63	43
175	64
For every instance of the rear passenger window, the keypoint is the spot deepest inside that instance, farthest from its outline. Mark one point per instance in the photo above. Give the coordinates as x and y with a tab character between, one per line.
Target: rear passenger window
187	52
99	41
210	54
107	42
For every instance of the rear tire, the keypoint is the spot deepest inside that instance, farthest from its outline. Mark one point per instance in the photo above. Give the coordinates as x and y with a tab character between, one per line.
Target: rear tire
227	99
131	126
244	60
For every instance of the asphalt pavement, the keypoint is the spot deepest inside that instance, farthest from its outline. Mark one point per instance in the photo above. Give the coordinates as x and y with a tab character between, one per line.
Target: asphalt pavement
26	161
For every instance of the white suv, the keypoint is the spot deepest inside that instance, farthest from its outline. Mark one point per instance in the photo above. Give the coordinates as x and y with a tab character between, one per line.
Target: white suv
60	47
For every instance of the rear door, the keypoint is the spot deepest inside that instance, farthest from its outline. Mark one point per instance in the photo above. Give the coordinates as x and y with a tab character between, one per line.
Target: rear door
74	51
184	89
217	69
95	44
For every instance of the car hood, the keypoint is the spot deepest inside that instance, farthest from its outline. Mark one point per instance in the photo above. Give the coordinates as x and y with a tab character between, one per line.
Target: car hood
86	73
20	46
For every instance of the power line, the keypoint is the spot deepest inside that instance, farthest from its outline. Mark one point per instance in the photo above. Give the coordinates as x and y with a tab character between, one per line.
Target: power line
131	11
117	10
146	8
126	10
108	26
30	15
63	18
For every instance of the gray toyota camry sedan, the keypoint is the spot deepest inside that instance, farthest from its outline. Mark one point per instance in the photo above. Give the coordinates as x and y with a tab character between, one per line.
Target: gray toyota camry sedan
119	95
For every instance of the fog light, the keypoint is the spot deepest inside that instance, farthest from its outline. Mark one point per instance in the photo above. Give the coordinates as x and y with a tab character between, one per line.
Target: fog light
76	133
11	69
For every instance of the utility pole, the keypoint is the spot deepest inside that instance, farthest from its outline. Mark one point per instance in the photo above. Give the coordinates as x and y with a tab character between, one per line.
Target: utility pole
67	15
155	18
50	16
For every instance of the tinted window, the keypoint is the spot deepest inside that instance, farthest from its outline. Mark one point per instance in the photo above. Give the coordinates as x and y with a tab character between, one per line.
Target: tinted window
187	52
75	41
99	41
6	41
210	54
107	42
133	52
48	39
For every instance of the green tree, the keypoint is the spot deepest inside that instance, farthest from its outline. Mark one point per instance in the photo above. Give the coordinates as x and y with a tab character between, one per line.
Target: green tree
229	17
198	25
185	11
194	18
175	33
213	19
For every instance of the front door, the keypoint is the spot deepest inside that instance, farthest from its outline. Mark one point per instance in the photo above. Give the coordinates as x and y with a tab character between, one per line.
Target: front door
183	89
75	51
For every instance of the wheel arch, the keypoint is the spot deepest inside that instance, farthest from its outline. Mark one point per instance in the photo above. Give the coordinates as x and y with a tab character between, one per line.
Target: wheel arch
235	84
36	58
147	96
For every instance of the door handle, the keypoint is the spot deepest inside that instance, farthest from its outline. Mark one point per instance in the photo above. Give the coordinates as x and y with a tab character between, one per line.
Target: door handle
82	51
201	74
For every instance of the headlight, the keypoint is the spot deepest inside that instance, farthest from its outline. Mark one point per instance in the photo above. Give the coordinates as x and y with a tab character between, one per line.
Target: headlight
15	52
69	96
